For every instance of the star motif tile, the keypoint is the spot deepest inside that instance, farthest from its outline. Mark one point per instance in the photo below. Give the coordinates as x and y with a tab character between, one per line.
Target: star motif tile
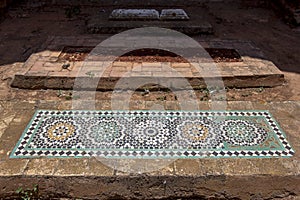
152	134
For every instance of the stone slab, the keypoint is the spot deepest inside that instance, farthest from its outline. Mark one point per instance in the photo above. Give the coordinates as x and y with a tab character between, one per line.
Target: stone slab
173	14
254	70
134	14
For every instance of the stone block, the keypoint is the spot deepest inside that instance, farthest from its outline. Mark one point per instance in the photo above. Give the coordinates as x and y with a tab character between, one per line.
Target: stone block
173	14
134	14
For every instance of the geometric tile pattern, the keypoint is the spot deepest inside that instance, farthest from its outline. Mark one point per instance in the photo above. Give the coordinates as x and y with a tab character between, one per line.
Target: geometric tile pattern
152	134
134	14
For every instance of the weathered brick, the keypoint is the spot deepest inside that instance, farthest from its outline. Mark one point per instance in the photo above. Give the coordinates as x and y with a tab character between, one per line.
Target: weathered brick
181	65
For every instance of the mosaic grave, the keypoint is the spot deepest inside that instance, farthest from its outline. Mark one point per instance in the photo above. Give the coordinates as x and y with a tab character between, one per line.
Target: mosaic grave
152	134
148	14
118	20
173	14
134	14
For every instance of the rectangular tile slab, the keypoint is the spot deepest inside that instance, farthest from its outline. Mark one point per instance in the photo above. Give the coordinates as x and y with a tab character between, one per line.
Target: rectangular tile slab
173	14
134	14
152	134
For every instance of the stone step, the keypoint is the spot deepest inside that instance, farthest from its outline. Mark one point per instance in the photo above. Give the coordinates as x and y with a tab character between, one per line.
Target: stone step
58	79
46	69
160	185
98	25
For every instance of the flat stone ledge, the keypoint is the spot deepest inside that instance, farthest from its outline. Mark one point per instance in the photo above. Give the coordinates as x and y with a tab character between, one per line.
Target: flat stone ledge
44	69
190	28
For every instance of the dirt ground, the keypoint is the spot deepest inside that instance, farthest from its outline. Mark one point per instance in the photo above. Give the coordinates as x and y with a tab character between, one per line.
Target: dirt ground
27	27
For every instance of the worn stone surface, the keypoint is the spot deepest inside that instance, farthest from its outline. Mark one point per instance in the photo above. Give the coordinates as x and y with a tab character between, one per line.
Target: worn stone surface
42	73
43	167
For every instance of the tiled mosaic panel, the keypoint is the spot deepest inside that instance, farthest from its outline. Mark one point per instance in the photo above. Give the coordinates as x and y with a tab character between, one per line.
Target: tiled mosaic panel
134	14
173	14
152	134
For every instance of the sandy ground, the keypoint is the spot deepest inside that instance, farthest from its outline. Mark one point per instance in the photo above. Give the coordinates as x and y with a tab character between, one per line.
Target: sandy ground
25	29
